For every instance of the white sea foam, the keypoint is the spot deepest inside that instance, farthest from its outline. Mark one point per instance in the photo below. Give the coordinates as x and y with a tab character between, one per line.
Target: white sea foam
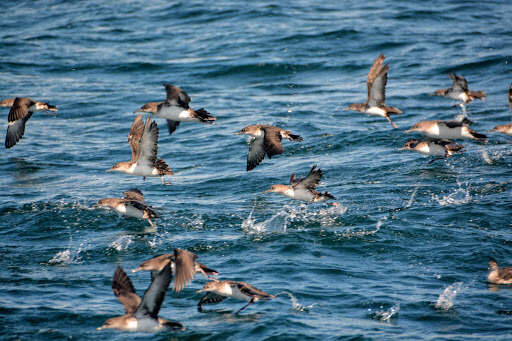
385	315
447	297
296	306
460	196
121	243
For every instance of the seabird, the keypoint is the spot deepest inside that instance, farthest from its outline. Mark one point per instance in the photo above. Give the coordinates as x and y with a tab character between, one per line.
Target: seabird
460	91
434	147
303	189
183	264
141	315
132	205
506	128
143	140
265	140
497	275
376	84
175	109
218	291
22	109
446	130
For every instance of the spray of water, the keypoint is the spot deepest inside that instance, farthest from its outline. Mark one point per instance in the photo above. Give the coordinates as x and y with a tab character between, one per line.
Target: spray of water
385	315
296	306
446	299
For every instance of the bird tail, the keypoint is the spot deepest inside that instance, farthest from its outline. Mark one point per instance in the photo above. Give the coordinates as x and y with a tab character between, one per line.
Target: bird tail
477	135
441	92
163	168
292	137
204	116
207	270
393	111
151	213
327	196
477	95
454	148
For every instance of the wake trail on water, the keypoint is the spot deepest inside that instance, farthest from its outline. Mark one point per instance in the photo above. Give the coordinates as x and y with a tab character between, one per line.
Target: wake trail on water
296	306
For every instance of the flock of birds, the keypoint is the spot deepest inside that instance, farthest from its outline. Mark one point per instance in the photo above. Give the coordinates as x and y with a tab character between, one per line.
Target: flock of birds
142	314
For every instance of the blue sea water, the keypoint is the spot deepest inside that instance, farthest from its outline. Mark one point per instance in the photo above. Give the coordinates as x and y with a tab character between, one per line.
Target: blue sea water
404	256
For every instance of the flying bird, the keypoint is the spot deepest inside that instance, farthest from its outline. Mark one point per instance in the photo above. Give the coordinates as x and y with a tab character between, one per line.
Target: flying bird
183	264
143	140
303	189
176	109
22	109
266	139
132	205
376	84
141	315
218	291
446	130
434	147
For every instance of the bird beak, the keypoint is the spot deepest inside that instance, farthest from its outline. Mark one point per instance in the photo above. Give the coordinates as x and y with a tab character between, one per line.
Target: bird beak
200	291
346	109
109	170
267	191
403	148
136	270
408	131
239	133
138	110
99	328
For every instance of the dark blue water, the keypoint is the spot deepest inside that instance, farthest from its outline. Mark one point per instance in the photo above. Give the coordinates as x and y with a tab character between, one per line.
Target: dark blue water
371	269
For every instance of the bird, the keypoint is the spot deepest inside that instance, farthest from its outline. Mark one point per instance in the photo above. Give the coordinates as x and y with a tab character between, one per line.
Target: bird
460	91
143	140
497	275
132	205
183	264
433	147
22	109
175	109
446	130
141	315
217	291
376	84
303	189
506	128
266	139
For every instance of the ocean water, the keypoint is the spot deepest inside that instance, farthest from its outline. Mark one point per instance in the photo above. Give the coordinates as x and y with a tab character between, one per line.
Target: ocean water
404	256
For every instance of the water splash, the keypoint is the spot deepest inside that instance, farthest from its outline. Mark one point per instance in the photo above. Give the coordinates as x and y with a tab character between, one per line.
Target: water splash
460	196
445	300
385	315
411	199
296	306
249	224
351	234
121	243
62	257
485	156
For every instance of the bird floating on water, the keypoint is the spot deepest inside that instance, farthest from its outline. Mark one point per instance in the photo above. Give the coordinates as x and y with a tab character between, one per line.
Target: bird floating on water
376	84
218	291
434	147
132	205
303	189
266	139
497	275
176	109
506	128
141	315
22	109
183	264
446	130
143	140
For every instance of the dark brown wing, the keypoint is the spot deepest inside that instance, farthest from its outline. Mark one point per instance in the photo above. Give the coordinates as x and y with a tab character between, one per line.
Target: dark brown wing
8	102
248	289
272	141
135	135
377	94
134	194
459	83
184	268
172	125
510	97
505	273
124	291
256	153
293	179
374	72
210	298
311	180
148	145
176	96
155	294
20	108
452	124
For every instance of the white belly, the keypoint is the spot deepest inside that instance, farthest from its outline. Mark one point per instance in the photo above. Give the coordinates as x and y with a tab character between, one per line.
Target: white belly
301	194
431	149
376	111
444	132
175	113
236	293
143	170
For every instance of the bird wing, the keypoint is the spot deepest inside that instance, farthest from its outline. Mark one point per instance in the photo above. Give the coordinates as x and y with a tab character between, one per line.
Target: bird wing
272	141
248	289
374	72
148	144
19	114
452	124
135	135
459	82
172	125
510	97
155	294
176	96
377	94
311	180
134	194
256	152
184	268
125	292
505	273
211	298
